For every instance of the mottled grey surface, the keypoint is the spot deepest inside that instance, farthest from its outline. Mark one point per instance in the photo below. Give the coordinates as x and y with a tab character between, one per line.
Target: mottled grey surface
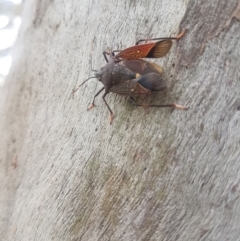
154	174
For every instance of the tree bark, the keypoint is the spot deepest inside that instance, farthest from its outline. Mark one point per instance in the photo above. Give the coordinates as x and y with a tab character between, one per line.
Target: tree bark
154	174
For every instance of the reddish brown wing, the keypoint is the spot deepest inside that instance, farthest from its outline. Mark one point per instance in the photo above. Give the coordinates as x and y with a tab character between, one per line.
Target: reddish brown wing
136	52
148	50
142	67
160	49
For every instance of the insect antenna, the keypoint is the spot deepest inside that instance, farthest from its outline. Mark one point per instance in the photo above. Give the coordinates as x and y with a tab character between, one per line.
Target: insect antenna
90	62
74	90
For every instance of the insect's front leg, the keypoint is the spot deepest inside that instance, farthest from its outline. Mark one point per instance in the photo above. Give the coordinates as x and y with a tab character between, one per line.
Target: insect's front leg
115	51
105	53
92	104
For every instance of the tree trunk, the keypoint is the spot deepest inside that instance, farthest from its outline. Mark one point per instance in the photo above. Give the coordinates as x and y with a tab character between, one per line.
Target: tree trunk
154	174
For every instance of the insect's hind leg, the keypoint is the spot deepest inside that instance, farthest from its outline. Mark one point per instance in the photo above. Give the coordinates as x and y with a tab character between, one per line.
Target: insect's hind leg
173	105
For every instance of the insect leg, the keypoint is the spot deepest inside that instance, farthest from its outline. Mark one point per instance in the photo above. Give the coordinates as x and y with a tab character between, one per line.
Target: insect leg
115	51
92	104
105	53
136	104
167	105
111	113
172	38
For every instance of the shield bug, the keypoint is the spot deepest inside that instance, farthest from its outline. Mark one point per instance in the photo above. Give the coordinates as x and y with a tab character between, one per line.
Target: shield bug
152	48
132	78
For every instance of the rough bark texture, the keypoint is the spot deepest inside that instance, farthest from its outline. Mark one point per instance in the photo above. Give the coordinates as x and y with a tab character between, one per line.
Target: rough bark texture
156	174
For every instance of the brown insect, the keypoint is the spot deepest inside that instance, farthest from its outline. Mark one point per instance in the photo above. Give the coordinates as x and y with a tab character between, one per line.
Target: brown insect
126	74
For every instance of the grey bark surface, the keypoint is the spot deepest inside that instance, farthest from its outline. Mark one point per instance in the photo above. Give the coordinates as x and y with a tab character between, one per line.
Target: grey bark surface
154	174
